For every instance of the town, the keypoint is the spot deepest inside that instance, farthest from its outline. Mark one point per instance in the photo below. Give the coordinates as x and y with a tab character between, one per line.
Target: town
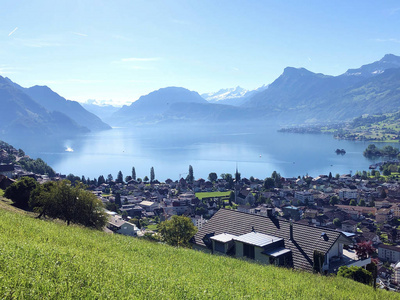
276	220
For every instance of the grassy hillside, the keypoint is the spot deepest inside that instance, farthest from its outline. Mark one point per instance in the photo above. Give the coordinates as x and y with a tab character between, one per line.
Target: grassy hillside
41	259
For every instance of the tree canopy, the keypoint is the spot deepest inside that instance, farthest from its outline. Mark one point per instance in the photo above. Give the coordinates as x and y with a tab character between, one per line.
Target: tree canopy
212	176
20	191
177	231
72	204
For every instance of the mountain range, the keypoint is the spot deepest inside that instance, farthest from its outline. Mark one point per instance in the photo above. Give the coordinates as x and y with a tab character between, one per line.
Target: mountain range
296	96
304	95
40	111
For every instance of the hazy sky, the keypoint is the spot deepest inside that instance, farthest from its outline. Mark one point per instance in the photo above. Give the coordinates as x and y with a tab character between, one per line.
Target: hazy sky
121	50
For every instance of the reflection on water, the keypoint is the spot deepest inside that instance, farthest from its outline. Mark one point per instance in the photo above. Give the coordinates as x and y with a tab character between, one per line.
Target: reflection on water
170	150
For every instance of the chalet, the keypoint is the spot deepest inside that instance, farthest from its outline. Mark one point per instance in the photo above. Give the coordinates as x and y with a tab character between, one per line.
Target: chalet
271	240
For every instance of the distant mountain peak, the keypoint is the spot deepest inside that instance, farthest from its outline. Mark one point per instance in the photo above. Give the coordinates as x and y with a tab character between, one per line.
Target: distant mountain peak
391	58
389	61
231	96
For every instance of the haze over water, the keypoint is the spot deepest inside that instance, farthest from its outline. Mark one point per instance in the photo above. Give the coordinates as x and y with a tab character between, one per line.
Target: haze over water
170	150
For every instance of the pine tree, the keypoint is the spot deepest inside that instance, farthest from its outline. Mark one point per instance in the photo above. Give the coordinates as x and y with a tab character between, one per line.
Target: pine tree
152	175
133	173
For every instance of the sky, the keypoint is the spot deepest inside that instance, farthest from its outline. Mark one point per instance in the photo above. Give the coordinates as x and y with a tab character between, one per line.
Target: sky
119	50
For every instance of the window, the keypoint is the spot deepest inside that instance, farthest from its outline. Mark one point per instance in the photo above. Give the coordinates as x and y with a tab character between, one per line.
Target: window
220	247
248	251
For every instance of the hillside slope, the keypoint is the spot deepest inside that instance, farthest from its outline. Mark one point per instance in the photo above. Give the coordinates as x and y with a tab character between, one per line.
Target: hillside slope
41	259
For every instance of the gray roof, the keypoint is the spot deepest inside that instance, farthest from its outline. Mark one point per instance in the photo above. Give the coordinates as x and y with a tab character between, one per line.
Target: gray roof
277	252
223	237
257	239
306	238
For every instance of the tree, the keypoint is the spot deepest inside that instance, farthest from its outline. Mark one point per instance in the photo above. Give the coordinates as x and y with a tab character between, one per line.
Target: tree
337	222
353	202
251	179
212	176
364	249
361	202
128	178
229	181
190	177
269	183
109	178
20	191
356	273
133	173
146	179
334	200
177	231
101	180
152	175
330	176
70	203
231	198
120	178
118	200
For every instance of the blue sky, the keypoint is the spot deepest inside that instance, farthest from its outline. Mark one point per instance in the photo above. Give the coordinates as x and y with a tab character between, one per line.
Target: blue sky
120	50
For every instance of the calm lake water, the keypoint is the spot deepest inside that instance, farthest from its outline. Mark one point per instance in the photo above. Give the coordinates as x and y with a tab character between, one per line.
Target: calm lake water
170	150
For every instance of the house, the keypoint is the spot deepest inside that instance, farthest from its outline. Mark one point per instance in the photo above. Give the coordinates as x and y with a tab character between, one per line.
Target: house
270	240
304	197
382	215
349	226
389	253
118	225
198	221
148	205
348	194
7	170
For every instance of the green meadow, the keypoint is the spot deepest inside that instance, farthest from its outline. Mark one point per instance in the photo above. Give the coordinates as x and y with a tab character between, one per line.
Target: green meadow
212	194
49	260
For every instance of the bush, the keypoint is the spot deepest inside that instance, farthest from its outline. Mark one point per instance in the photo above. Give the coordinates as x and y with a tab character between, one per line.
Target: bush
356	273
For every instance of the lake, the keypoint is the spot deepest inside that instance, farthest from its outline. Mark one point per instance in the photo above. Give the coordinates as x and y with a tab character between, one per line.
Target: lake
171	149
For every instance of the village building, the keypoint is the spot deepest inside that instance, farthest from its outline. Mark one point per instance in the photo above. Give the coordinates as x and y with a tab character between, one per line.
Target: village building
271	240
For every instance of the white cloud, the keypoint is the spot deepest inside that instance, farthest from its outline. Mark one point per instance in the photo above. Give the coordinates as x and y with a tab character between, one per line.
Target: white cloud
15	29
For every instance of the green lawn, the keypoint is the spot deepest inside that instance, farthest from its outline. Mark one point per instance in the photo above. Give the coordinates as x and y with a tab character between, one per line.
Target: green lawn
212	194
1	193
46	260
